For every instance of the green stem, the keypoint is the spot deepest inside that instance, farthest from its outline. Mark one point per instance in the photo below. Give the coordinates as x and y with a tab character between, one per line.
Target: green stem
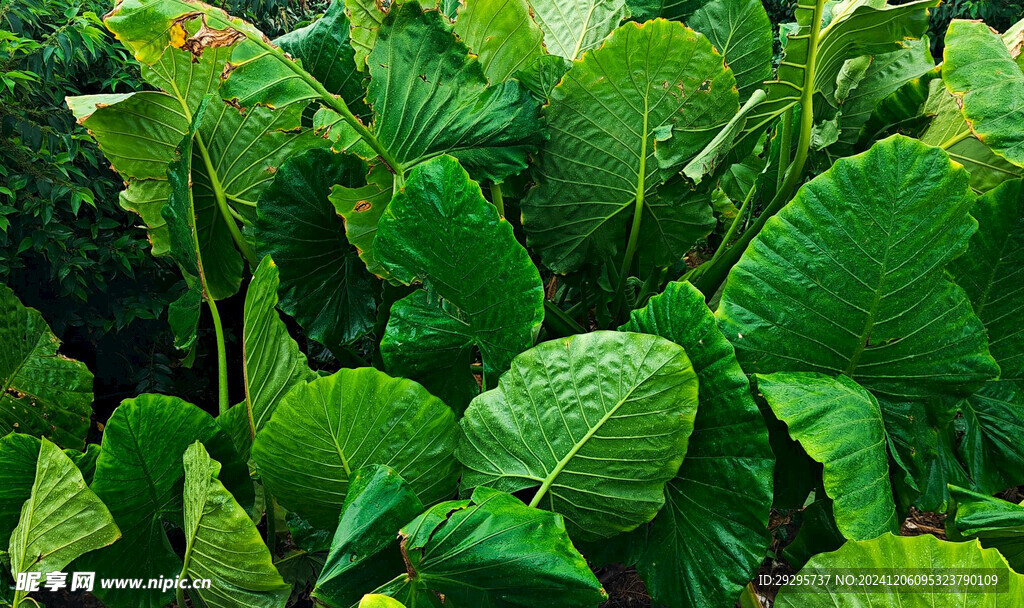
559	322
222	359
497	198
179	597
694	274
711	279
952	141
638	213
19	596
222	203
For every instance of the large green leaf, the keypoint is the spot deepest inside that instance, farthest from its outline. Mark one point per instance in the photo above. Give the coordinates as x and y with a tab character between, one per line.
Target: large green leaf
502	33
815	55
365	553
572	28
482	290
235	154
273	361
323	283
997	523
979	70
723	491
923	553
430	97
598	421
139	476
742	33
324	430
492	552
839	424
43	392
222	544
61	520
989	273
598	171
849	279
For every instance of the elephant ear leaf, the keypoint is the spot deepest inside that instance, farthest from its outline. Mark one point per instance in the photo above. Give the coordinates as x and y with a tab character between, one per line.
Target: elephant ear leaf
61	520
492	550
924	552
323	283
482	290
139	475
569	412
44	393
742	33
356	417
365	553
222	544
892	321
728	449
996	523
840	425
980	72
446	105
601	115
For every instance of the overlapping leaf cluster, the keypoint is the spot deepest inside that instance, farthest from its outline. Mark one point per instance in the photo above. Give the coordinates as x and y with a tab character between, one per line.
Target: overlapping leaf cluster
507	221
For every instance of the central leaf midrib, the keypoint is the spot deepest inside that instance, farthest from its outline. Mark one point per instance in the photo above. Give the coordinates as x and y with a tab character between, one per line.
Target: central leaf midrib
869	324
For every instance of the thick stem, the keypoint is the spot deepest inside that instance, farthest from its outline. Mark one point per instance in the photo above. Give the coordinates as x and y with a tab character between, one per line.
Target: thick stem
711	279
785	148
222	359
695	274
497	198
634	231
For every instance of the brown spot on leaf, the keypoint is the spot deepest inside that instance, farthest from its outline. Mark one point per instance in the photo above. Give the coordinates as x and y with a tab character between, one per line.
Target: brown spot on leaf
13	392
205	38
363	206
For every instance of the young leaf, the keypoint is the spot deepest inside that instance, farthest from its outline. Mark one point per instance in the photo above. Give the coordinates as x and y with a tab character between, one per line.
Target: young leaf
374	600
502	34
483	292
997	523
988	84
324	430
364	553
429	97
323	283
61	520
222	544
840	425
848	279
924	552
139	475
493	551
598	172
598	421
728	450
42	392
273	361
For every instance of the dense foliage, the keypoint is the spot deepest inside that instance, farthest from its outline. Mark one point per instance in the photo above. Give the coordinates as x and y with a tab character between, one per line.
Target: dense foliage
603	290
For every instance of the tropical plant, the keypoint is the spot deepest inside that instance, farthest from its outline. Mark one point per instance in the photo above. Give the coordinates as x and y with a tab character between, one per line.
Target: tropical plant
598	290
